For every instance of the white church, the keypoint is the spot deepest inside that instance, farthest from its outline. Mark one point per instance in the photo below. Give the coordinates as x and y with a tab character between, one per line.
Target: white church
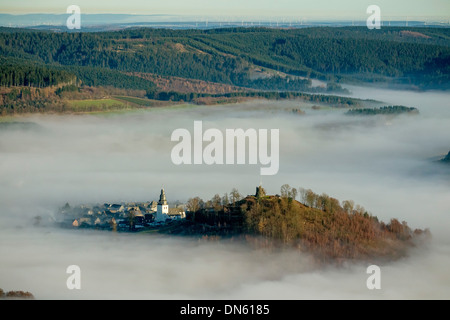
162	210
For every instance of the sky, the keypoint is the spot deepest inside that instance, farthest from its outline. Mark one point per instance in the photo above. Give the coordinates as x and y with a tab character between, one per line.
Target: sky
324	9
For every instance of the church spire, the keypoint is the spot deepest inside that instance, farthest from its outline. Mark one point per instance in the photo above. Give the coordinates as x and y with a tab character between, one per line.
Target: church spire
162	198
162	209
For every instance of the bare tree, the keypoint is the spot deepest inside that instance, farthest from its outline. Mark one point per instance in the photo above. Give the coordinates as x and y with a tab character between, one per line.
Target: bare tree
294	193
311	198
303	193
348	206
285	191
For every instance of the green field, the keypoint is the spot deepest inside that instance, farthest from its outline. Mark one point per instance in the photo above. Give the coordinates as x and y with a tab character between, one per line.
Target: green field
4	119
137	101
143	102
91	105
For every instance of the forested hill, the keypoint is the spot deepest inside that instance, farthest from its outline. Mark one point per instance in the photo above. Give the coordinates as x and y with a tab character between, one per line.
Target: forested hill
318	224
249	57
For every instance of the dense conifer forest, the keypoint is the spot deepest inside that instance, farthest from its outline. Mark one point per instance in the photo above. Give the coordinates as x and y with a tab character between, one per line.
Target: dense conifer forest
261	61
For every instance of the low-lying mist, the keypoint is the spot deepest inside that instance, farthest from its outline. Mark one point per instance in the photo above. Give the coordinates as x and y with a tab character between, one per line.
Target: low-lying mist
388	165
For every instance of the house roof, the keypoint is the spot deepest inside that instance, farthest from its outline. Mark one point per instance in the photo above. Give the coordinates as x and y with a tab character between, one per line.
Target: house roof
175	211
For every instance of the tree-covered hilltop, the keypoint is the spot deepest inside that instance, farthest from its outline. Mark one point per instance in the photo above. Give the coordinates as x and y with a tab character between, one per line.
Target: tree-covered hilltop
249	57
386	110
318	224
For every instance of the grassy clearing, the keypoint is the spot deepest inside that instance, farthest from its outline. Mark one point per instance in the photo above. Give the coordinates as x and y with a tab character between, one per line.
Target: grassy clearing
91	105
143	102
136	101
4	119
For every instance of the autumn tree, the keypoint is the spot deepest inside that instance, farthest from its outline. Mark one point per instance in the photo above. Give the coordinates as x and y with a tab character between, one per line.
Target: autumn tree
216	202
360	209
310	198
194	204
225	200
335	205
323	202
348	206
235	196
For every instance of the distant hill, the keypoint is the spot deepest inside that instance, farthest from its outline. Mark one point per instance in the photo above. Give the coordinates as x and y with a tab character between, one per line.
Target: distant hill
414	56
121	21
226	64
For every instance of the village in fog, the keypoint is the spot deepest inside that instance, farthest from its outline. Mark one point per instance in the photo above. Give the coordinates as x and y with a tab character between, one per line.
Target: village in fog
130	216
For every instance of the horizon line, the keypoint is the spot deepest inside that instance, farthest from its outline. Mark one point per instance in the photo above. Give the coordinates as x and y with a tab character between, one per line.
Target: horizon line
280	16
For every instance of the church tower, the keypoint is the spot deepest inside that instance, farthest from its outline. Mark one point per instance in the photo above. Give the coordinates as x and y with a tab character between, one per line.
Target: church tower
163	208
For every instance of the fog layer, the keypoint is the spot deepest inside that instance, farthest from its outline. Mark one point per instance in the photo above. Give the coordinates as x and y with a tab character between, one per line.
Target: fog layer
385	164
